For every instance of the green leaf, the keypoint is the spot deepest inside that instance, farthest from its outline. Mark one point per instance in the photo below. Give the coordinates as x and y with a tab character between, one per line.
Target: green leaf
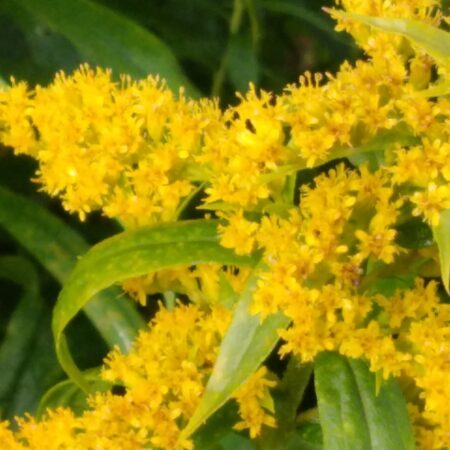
131	254
217	428
247	342
432	39
352	415
3	83
28	365
38	373
106	38
68	394
233	441
290	391
288	395
441	235
307	436
22	325
57	247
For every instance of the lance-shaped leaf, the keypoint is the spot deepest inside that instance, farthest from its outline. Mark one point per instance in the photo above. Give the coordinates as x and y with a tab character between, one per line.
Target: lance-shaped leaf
432	39
131	254
105	37
57	246
247	342
21	329
441	235
352	414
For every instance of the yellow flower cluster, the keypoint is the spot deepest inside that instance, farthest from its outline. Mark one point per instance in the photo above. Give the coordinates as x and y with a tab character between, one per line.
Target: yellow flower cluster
122	147
135	151
138	153
163	377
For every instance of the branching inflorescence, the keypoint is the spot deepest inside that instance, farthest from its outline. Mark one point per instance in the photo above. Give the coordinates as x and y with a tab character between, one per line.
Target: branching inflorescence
140	153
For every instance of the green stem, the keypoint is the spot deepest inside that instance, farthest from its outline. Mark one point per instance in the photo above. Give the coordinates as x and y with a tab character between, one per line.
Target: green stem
236	16
254	24
169	300
289	189
235	24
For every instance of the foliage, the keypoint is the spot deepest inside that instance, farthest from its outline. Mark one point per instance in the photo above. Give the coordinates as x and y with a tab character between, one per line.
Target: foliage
263	239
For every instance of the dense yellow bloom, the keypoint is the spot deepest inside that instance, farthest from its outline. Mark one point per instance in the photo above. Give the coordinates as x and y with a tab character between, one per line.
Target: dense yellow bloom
164	376
137	152
121	147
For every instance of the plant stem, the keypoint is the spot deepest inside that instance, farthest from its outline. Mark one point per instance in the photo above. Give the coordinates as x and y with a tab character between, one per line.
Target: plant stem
235	24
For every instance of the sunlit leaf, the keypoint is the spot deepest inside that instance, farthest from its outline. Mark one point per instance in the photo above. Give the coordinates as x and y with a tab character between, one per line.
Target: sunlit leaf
352	414
247	342
131	254
432	39
441	235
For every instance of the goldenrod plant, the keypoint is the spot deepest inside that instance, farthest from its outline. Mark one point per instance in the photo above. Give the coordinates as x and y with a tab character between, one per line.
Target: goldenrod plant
294	241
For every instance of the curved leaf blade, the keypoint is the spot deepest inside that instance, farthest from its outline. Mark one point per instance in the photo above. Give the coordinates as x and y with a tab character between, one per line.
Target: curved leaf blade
247	342
106	38
68	394
131	254
57	247
352	415
441	234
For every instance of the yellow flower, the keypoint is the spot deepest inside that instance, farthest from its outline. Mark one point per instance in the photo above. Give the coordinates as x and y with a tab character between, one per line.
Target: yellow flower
239	233
15	128
255	403
431	203
379	244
